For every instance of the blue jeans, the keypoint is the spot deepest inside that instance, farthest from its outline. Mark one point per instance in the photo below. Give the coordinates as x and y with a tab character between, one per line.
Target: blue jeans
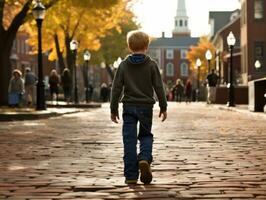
131	116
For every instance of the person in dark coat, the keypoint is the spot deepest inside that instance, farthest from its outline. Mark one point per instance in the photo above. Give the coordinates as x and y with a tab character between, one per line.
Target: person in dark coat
104	92
54	84
66	81
188	91
178	90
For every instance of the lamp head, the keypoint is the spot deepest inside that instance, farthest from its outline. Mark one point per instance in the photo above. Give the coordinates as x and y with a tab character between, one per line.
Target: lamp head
119	60
208	54
231	40
87	55
38	10
257	64
115	65
74	45
198	62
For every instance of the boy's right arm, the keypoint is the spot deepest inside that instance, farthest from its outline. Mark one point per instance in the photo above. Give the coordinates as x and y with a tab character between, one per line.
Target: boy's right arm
117	87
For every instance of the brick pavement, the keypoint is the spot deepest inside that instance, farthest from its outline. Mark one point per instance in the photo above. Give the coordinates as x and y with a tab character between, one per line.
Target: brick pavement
200	153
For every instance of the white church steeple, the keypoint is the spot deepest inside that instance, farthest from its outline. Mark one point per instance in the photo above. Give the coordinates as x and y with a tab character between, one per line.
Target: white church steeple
181	20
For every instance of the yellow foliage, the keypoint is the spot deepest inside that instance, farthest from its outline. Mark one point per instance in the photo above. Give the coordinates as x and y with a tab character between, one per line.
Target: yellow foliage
199	51
75	20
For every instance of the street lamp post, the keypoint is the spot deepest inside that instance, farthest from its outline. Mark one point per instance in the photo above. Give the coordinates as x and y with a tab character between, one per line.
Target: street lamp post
74	48
38	12
231	40
208	56
87	57
198	64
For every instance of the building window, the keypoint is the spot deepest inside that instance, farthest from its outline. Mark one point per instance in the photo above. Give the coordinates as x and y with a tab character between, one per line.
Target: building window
185	23
169	54
180	23
259	52
170	70
184	69
183	53
258	9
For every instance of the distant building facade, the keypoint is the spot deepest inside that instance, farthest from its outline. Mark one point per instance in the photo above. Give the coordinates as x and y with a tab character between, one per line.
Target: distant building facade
21	57
221	24
249	28
253	39
170	52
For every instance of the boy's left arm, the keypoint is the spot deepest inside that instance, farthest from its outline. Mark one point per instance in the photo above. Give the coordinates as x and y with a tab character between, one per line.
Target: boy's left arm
159	89
117	88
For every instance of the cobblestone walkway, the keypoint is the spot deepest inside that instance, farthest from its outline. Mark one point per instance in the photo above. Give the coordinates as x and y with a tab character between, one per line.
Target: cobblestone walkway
200	152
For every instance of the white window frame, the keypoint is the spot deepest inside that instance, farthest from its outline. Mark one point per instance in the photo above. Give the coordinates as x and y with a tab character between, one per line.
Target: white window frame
170	70
258	9
184	71
183	54
169	54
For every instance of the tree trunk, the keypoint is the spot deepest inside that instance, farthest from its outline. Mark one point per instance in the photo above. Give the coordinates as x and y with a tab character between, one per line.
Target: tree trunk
6	42
69	54
59	54
5	67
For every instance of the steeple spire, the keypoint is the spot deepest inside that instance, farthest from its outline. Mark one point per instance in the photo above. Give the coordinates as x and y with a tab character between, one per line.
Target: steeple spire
181	8
181	20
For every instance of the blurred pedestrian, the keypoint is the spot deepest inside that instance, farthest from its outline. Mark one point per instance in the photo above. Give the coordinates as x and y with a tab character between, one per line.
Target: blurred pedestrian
104	92
66	81
91	89
188	91
178	90
30	87
212	80
15	89
54	84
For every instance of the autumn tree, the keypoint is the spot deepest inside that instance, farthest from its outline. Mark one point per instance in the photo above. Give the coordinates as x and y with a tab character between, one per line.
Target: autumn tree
199	51
13	14
83	22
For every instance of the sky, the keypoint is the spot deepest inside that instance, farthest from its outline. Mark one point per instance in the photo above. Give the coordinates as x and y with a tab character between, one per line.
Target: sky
157	16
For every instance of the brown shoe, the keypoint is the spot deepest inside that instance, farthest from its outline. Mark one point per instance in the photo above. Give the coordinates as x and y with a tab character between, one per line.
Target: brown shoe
131	182
145	172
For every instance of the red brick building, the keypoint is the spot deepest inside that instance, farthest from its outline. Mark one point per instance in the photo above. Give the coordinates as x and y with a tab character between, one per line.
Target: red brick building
170	53
253	39
21	56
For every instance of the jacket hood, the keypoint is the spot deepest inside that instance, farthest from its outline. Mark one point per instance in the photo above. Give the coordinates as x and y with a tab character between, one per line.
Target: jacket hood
137	58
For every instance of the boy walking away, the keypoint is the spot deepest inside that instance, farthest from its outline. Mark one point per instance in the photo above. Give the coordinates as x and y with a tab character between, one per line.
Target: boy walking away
138	77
